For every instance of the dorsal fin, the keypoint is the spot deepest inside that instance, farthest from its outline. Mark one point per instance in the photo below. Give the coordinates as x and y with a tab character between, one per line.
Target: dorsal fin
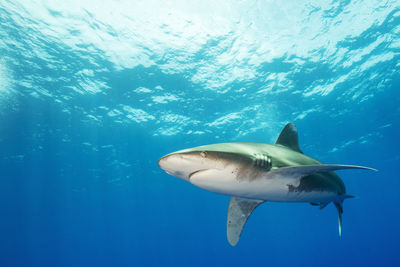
289	138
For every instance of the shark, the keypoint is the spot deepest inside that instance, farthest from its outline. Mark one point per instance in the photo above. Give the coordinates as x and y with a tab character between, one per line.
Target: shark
254	173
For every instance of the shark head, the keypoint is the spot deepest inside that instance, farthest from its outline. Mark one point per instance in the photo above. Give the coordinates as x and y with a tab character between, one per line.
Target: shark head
183	164
207	159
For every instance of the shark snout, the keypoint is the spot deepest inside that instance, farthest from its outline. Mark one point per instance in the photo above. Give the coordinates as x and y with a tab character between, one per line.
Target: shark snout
183	165
175	165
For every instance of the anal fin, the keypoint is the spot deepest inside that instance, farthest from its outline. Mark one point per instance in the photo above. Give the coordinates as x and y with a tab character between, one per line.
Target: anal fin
238	213
323	205
320	204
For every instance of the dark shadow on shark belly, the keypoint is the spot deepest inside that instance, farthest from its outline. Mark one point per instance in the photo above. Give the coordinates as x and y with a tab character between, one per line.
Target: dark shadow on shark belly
319	182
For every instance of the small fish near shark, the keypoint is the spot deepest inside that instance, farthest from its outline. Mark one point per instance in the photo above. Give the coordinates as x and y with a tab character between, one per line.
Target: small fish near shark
253	173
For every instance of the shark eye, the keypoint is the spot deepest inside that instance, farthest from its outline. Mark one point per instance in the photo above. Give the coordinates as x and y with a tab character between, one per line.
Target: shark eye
203	154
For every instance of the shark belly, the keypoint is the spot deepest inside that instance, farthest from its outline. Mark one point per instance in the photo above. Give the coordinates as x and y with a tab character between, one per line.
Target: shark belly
224	181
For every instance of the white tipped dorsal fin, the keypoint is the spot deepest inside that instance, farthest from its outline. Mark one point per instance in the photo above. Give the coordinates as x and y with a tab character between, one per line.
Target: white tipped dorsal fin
289	137
238	213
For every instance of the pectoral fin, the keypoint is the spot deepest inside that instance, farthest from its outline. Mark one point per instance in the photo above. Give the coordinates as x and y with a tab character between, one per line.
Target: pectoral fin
238	213
298	172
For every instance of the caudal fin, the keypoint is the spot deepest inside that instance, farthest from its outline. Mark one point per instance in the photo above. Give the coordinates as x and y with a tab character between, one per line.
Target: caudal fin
339	208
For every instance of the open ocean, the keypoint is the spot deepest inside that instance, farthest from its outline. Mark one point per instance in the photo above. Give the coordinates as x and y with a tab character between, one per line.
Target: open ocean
93	93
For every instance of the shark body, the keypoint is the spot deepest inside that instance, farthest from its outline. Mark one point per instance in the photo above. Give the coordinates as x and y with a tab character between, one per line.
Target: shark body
253	173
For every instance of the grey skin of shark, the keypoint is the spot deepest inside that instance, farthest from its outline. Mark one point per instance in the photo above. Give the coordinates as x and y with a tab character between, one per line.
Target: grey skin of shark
253	173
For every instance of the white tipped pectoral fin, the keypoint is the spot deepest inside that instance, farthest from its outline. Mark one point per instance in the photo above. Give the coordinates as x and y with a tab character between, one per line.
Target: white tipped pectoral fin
298	172
238	213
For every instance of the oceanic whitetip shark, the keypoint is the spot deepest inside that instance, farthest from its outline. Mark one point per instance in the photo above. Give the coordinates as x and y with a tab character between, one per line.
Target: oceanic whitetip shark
253	173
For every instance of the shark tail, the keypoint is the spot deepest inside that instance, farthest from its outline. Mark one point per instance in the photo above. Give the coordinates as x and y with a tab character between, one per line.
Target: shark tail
339	208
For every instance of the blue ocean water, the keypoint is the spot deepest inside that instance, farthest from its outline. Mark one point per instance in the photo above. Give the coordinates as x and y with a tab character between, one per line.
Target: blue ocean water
93	93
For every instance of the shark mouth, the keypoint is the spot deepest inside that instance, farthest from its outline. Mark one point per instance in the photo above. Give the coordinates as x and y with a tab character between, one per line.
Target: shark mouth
195	172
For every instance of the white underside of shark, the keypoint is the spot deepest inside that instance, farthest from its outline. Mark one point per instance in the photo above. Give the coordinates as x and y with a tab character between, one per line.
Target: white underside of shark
253	173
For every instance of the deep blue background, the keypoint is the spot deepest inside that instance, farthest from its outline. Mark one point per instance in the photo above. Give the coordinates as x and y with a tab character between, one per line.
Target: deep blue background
80	186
